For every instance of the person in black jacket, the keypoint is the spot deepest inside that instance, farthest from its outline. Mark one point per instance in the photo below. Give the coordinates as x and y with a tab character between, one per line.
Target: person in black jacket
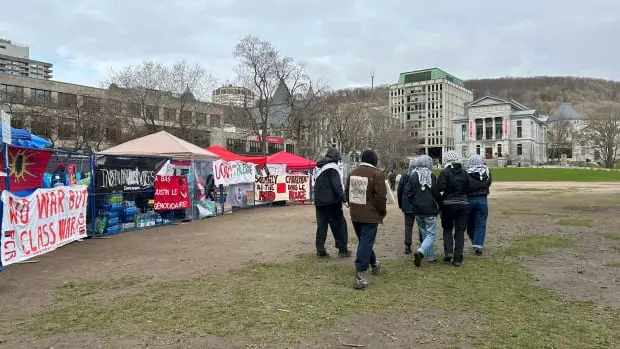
479	184
328	200
424	198
405	206
453	183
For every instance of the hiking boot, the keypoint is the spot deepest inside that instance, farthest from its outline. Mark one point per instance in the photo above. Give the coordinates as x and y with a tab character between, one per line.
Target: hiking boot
447	260
408	249
360	281
344	253
478	252
457	263
417	258
375	269
322	254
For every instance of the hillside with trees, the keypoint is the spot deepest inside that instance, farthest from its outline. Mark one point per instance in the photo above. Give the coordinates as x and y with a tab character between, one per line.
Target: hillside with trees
546	93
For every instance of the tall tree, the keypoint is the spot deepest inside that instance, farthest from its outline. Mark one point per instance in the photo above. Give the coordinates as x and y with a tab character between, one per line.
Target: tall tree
392	142
346	122
560	137
276	81
155	92
603	130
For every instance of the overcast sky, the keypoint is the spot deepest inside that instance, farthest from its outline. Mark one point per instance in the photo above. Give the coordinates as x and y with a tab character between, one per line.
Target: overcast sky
341	41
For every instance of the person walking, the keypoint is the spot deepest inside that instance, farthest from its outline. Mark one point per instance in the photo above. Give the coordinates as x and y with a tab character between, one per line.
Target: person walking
405	206
425	199
453	183
479	185
392	179
366	195
328	200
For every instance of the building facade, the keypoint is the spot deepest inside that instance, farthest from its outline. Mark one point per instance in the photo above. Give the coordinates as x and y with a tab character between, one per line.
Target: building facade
503	131
15	60
567	142
426	102
234	96
90	119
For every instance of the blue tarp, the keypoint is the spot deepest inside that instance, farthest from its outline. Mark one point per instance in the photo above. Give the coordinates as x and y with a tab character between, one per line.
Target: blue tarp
24	138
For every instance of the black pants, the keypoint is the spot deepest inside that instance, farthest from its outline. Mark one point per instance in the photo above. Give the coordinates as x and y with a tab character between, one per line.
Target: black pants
333	216
409	224
454	224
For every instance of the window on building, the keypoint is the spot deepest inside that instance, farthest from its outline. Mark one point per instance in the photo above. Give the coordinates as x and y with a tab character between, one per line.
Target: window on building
43	128
479	130
499	150
113	133
488	128
519	129
236	145
170	114
185	117
464	151
134	110
11	94
519	149
151	112
478	149
66	128
463	133
67	100
290	148
499	128
201	138
92	104
41	96
114	107
215	120
17	120
201	119
254	147
273	148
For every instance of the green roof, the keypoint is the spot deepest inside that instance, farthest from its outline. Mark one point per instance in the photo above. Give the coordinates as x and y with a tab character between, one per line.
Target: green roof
428	74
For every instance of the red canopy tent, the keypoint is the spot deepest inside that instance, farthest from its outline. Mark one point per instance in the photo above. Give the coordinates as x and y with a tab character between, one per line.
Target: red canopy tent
227	155
293	162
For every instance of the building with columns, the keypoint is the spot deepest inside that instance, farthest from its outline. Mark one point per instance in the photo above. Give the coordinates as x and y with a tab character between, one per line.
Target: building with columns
503	131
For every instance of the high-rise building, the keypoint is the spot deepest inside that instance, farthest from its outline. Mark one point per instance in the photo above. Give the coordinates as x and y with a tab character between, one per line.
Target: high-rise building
426	101
15	60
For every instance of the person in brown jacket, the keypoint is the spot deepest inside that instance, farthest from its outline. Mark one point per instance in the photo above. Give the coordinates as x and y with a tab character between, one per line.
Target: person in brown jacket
366	195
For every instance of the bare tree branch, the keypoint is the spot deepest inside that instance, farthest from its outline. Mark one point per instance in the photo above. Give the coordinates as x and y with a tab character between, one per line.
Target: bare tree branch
603	131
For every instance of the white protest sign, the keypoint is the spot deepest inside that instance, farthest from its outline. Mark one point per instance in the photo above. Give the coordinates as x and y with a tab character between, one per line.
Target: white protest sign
233	172
42	221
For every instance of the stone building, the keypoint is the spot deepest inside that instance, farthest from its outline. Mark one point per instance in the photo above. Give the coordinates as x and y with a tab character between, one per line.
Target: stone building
503	131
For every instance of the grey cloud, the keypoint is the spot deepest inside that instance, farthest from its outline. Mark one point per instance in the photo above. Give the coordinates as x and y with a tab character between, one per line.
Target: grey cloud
342	41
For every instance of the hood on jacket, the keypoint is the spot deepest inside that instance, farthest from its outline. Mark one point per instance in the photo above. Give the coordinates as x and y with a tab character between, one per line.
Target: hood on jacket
332	155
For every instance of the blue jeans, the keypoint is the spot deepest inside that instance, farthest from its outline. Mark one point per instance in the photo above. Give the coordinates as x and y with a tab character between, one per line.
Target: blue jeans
366	234
428	230
477	222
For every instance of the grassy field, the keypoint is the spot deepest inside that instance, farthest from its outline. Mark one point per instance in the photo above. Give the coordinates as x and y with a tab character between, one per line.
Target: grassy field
552	175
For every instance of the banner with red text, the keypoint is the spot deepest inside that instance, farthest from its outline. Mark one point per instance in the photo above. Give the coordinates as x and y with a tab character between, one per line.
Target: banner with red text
171	193
42	221
233	172
282	188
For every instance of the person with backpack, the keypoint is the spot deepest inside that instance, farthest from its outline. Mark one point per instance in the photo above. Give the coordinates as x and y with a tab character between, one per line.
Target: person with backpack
328	200
405	206
453	183
424	198
366	195
479	185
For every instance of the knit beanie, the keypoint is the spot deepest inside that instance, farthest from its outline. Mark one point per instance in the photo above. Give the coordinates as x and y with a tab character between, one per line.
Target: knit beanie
369	157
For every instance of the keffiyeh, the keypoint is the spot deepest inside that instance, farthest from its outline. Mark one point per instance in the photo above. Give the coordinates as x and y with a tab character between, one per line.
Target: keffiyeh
449	158
424	169
476	165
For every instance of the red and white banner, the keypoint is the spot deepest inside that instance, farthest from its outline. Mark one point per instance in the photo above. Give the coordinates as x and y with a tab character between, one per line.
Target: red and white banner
471	128
282	188
42	221
171	193
233	172
505	127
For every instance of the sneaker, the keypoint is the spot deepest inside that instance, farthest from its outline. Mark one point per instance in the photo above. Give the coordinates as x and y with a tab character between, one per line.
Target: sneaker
417	258
360	281
322	254
478	252
344	253
447	260
375	268
408	249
